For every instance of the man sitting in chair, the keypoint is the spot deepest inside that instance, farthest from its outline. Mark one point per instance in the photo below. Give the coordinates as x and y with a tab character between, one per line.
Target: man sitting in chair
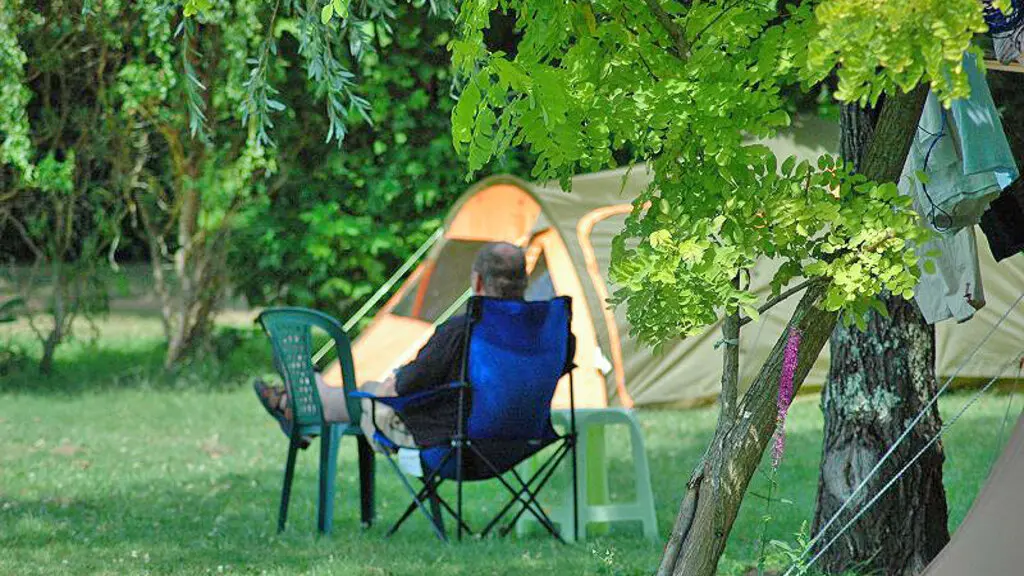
499	271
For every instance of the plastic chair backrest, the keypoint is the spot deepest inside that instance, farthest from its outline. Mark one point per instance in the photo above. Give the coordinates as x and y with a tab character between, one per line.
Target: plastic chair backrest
517	353
290	331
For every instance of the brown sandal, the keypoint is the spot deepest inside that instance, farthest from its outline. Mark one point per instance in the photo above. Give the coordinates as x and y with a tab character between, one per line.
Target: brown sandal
272	398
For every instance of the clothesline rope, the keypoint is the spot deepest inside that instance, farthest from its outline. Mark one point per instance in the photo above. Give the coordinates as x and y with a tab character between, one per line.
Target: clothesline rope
931	441
892	449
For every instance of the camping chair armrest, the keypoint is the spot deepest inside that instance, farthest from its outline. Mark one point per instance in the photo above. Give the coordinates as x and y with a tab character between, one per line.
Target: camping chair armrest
419	412
401	403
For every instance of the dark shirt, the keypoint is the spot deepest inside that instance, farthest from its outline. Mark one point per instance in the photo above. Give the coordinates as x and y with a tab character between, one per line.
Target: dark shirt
438	363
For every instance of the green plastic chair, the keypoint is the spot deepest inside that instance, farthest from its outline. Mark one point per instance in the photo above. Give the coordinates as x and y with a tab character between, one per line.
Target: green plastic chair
593	504
290	331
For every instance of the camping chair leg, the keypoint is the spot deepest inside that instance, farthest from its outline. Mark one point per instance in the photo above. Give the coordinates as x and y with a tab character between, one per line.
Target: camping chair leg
458	487
541	516
408	512
329	440
418	497
448	508
531	503
367	477
401	519
286	490
575	488
435	507
545	471
416	501
412	507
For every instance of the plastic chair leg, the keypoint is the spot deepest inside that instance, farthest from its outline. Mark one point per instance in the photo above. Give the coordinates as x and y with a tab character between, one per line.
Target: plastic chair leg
596	470
644	493
286	489
329	441
367	478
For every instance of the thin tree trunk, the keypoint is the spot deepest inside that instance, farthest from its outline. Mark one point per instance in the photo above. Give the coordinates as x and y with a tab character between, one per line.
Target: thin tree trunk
878	381
730	365
185	258
56	335
49	349
715	491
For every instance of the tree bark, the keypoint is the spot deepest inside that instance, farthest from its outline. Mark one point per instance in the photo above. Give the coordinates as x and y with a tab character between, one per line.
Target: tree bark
715	490
878	381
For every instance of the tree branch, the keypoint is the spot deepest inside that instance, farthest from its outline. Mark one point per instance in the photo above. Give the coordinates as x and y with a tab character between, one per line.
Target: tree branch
730	363
674	30
23	233
772	302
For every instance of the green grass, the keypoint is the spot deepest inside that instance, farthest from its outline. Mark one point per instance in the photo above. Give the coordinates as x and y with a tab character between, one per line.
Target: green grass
110	467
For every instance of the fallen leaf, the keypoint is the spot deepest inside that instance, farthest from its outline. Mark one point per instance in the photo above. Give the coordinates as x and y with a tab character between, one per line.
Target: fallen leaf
66	449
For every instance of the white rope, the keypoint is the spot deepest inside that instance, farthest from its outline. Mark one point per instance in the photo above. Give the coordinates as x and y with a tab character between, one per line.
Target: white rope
903	470
384	289
892	449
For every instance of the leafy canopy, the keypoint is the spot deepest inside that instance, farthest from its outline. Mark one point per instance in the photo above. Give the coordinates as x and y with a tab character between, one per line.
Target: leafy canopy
690	87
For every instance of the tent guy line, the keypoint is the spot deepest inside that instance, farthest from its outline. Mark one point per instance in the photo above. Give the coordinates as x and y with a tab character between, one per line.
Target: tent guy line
892	449
974	398
384	288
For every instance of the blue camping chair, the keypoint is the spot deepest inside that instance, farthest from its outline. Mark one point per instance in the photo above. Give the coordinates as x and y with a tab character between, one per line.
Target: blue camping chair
290	331
516	352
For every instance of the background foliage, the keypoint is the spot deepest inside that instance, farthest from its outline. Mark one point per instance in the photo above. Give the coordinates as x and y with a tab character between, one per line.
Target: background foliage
345	218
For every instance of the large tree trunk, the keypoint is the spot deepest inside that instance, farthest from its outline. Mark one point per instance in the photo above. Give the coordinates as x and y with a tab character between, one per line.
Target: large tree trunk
879	380
715	490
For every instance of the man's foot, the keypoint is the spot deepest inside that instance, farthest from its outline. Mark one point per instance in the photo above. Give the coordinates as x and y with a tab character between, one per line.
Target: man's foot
275	400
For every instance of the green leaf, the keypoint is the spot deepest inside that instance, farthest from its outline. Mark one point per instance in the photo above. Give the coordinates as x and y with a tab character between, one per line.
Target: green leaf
788	164
879	307
341	8
860	321
659	238
326	13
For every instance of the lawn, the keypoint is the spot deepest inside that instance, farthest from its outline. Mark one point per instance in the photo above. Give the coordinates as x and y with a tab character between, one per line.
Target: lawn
111	467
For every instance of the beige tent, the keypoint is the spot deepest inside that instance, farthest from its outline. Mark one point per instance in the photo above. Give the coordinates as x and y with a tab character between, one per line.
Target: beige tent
989	542
568	240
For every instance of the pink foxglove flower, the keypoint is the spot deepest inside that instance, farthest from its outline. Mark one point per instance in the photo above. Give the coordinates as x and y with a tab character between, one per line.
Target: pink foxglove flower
789	362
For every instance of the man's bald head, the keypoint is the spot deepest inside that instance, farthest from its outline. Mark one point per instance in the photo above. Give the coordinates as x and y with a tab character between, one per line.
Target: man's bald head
500	271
